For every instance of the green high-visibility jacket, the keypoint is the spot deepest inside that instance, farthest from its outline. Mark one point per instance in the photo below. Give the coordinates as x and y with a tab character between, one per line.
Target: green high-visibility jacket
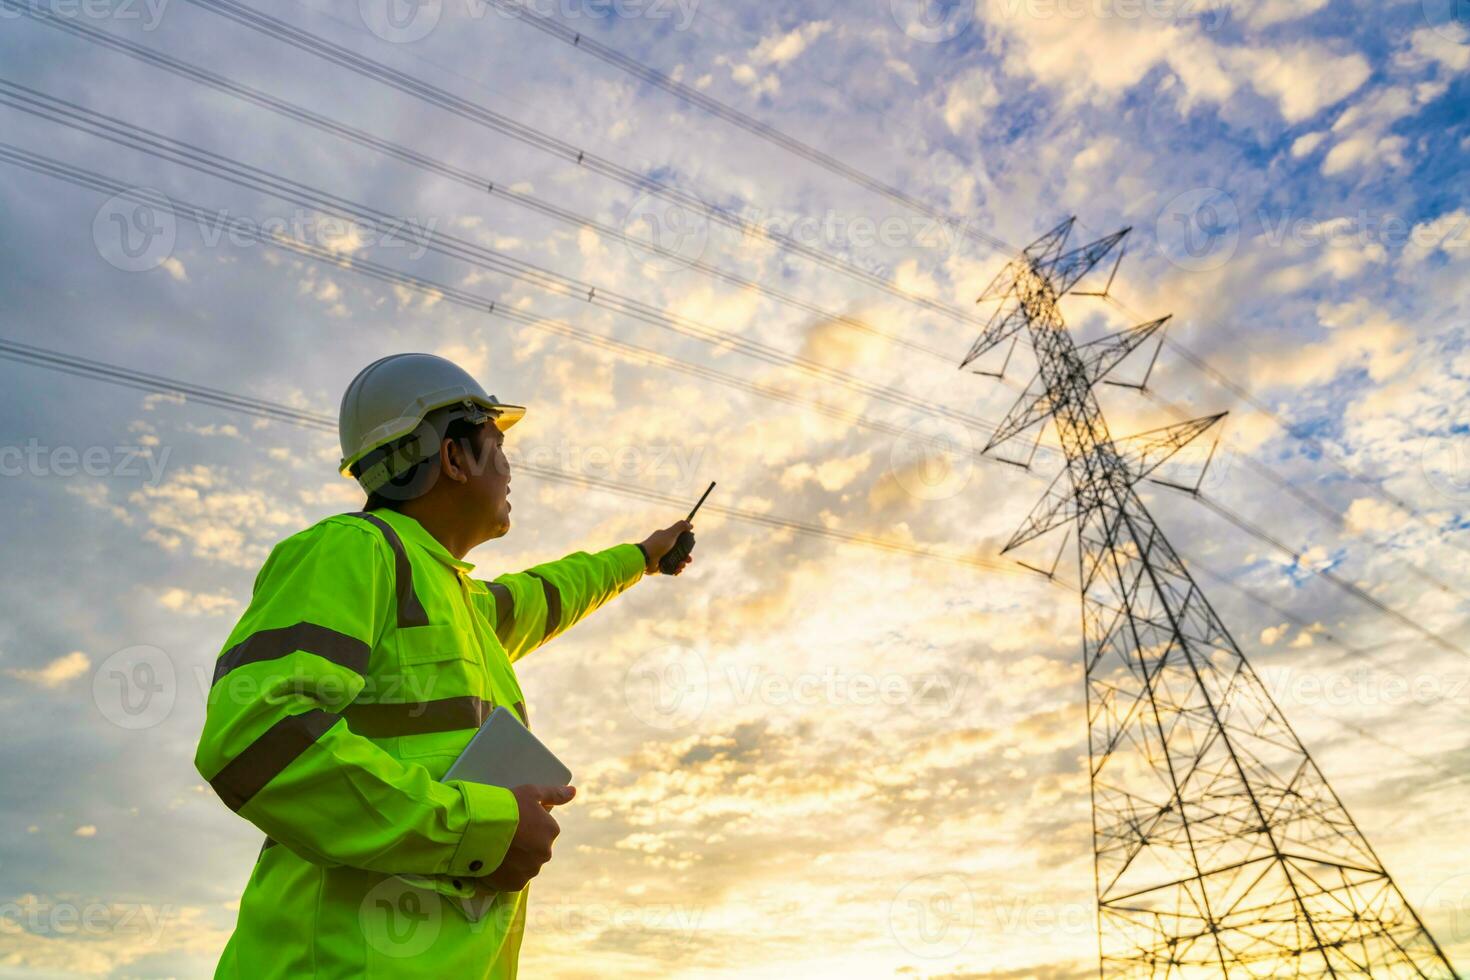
367	659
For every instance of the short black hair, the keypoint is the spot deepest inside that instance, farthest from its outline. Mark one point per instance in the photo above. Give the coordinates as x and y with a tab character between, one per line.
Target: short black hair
418	478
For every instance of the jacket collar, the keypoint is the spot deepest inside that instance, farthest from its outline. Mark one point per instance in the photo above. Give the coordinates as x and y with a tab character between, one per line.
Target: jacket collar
413	532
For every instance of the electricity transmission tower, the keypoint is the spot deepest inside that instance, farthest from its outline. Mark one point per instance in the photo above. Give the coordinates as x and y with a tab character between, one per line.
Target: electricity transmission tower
1219	848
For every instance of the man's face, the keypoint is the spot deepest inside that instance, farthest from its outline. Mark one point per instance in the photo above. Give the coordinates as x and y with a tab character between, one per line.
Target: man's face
488	486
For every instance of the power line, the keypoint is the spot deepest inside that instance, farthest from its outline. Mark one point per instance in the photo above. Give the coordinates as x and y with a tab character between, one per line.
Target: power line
474	112
692	96
178	67
240	228
1316	504
1260	534
501	190
1286	425
115	374
367	268
254	178
101	371
336	54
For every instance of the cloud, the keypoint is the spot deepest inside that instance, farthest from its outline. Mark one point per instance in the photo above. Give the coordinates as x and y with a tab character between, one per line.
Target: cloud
197	603
1370	514
1433	46
1303	78
969	99
1361	134
1099	58
772	53
56	674
218	519
1448	234
1307	143
781	49
831	475
1268	13
1361	336
1271	634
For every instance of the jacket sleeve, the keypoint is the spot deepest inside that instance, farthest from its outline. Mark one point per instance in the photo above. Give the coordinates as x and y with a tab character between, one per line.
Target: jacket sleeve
528	608
277	751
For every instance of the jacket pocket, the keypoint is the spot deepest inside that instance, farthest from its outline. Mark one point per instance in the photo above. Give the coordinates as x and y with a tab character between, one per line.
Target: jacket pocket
435	643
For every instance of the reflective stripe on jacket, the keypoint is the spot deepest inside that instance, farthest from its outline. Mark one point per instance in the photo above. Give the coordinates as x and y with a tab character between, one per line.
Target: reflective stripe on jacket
365	662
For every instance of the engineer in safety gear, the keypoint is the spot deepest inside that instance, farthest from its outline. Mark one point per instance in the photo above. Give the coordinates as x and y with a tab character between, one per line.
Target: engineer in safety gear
367	658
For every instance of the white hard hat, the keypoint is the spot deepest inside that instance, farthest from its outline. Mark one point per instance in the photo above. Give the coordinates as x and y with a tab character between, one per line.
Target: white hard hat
393	396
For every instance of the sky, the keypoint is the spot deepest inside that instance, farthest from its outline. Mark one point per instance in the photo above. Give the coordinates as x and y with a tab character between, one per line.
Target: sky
860	752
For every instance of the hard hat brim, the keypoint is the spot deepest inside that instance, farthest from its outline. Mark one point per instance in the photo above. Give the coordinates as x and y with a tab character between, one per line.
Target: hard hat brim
508	415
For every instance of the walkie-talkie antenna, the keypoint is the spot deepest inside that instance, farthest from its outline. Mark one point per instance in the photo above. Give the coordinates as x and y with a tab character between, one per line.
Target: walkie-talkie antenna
701	501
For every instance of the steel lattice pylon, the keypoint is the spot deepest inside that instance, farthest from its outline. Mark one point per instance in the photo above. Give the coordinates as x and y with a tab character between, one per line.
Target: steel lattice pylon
1219	848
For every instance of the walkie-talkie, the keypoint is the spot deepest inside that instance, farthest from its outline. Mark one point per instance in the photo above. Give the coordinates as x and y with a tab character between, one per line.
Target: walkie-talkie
669	563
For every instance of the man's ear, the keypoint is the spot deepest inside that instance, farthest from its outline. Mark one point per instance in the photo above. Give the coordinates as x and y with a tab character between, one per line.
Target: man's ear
452	461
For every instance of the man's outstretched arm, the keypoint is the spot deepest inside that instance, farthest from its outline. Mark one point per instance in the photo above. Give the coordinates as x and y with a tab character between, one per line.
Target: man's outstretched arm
529	608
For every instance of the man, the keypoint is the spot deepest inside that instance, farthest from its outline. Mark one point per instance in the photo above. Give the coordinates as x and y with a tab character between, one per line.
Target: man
366	660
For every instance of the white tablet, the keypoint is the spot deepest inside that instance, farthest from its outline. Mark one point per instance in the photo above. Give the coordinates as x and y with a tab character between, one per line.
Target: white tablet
505	753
